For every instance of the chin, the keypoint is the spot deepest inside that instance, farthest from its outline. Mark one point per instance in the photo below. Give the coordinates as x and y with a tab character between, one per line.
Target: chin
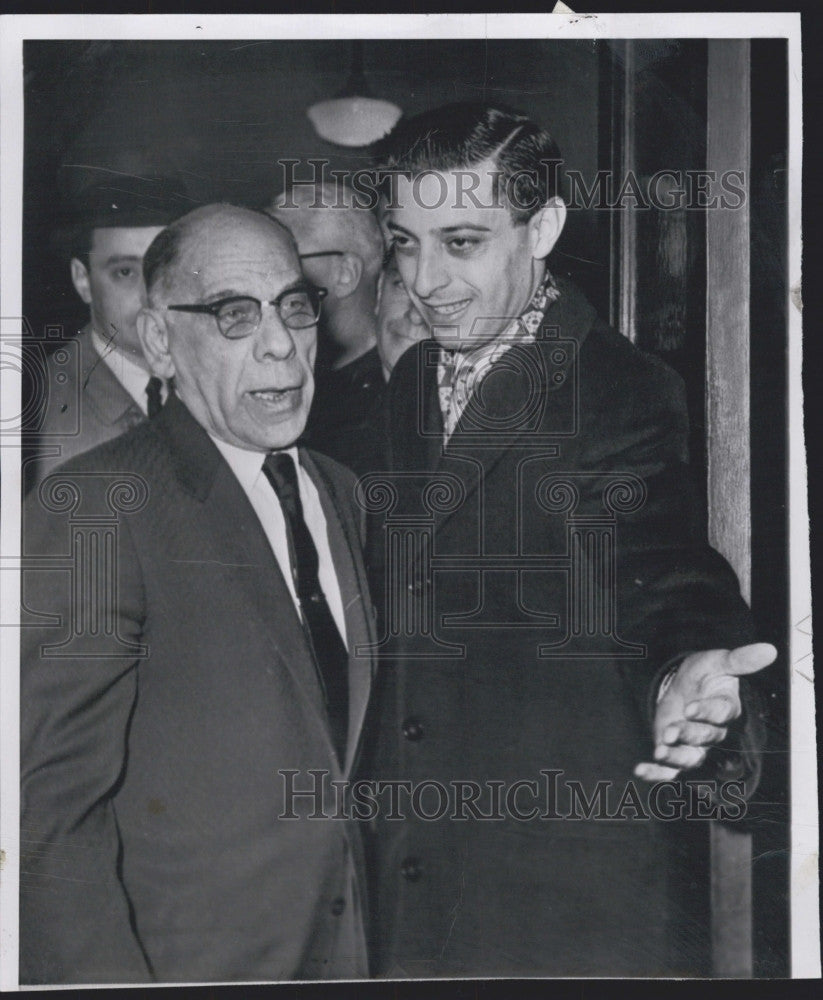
263	439
285	435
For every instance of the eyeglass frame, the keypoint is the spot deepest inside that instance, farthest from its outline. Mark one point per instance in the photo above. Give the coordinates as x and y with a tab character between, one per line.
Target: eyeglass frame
213	308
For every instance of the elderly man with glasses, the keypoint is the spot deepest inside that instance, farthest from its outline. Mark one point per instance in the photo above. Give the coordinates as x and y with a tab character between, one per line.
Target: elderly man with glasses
197	666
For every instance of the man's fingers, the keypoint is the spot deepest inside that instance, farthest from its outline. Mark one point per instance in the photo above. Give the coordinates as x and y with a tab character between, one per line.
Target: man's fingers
679	756
694	734
717	710
655	772
707	683
750	659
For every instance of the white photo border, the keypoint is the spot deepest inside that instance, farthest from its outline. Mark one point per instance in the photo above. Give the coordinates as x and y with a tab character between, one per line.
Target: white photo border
16	29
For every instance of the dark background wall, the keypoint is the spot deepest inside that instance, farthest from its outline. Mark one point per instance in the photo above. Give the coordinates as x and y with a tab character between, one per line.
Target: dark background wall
223	113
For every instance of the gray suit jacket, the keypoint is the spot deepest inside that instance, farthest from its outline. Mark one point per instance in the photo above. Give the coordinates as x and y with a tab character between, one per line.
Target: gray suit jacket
166	711
566	420
85	405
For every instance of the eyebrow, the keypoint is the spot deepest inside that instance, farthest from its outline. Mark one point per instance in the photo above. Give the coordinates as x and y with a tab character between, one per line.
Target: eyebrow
122	259
466	225
445	230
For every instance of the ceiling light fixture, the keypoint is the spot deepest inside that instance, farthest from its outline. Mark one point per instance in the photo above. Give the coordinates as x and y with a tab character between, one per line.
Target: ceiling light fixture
354	118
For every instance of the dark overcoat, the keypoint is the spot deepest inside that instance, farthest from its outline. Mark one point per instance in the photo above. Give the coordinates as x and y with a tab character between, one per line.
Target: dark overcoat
540	575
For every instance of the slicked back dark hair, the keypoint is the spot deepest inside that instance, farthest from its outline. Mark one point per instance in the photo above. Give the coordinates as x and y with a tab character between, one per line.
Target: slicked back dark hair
461	136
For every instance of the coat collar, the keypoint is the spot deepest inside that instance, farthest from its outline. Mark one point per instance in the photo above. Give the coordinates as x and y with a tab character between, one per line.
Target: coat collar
520	399
202	472
351	575
538	367
196	459
526	400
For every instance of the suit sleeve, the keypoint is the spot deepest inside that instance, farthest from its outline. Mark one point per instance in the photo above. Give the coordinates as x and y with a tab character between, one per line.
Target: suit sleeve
75	919
675	594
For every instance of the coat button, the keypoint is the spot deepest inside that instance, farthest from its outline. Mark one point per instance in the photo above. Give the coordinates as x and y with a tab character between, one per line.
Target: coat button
411	868
338	906
413	729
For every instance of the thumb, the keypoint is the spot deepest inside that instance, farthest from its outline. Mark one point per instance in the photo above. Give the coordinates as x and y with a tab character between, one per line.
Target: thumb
750	659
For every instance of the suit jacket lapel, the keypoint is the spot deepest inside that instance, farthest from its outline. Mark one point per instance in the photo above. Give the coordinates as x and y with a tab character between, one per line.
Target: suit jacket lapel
524	398
103	393
203	473
416	429
351	576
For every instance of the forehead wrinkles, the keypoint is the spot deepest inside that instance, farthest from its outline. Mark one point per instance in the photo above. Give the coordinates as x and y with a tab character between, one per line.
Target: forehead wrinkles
250	263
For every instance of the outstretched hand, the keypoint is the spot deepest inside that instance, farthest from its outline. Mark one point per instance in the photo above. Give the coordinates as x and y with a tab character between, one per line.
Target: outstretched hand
694	712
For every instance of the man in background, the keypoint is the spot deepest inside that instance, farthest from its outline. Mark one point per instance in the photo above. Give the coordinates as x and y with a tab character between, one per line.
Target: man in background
399	327
399	323
106	230
341	249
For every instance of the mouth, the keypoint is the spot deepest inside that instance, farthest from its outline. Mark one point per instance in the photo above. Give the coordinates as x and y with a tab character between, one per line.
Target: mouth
448	310
277	400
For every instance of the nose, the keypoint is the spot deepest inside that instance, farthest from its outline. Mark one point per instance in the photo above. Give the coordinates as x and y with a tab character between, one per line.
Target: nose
430	273
272	339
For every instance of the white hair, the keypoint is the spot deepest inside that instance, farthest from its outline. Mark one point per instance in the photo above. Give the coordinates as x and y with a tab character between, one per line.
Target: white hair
327	217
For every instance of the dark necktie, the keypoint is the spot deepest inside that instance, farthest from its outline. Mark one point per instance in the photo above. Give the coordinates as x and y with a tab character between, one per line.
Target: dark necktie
330	656
154	388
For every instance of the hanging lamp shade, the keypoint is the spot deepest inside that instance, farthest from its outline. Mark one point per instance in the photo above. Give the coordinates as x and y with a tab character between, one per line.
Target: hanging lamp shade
354	118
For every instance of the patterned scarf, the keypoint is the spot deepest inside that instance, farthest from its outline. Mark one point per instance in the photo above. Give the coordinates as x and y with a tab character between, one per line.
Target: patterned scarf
459	373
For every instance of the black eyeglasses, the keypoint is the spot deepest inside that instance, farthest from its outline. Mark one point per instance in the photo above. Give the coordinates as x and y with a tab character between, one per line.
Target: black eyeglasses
322	253
239	315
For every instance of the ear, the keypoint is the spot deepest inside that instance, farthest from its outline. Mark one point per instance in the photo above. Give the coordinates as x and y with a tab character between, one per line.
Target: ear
153	331
347	272
80	280
546	227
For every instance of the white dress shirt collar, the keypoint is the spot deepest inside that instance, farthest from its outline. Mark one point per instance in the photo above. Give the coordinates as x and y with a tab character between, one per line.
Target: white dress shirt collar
131	375
247	465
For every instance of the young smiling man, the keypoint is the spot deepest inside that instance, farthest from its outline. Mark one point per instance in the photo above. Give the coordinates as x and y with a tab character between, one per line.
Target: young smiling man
553	613
468	265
